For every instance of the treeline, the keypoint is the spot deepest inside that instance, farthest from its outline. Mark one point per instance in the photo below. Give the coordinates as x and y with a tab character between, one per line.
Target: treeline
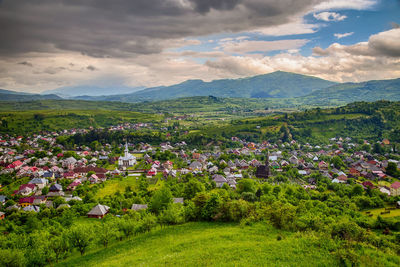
332	211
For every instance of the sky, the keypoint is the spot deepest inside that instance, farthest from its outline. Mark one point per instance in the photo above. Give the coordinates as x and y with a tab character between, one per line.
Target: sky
47	44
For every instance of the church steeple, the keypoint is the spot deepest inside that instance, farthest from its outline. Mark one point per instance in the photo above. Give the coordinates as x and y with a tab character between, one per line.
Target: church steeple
126	149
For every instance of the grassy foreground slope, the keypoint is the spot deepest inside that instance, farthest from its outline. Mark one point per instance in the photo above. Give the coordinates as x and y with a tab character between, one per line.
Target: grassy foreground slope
221	244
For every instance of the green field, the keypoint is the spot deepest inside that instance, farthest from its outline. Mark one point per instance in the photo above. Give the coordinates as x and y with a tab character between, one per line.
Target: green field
113	186
218	244
376	212
23	122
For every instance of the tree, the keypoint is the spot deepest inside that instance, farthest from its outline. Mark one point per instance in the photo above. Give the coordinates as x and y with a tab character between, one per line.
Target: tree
45	190
337	162
174	214
106	232
12	258
246	185
357	190
160	200
80	237
392	169
394	136
211	207
127	227
192	188
60	247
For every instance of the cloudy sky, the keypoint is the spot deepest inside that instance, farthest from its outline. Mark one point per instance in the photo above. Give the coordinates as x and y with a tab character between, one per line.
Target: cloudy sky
47	44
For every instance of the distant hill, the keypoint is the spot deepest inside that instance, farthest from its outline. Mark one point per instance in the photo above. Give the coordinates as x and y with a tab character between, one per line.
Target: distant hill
8	95
16	97
274	85
90	90
3	91
350	92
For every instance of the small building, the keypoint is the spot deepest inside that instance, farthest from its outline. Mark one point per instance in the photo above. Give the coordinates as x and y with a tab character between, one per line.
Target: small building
138	207
262	171
2	215
219	180
178	200
98	211
395	189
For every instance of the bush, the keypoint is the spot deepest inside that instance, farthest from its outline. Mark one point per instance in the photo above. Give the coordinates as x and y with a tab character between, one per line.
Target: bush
12	258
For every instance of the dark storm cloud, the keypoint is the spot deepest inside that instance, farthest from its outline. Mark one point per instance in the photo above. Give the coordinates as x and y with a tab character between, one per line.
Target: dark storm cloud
122	28
91	68
204	6
26	63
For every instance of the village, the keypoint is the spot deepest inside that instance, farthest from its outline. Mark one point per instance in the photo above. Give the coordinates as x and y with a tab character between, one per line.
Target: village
38	173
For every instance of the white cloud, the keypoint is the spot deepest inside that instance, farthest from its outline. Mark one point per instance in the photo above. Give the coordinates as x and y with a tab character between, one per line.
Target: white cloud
262	46
294	27
385	43
345	4
329	16
342	35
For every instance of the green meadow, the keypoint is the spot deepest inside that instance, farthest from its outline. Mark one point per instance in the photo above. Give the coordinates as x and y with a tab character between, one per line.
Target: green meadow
222	244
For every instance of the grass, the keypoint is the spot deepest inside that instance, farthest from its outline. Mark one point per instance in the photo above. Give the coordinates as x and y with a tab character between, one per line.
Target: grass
376	212
114	185
219	244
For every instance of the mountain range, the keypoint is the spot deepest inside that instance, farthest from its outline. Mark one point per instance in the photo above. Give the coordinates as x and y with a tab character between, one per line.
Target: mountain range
278	86
274	85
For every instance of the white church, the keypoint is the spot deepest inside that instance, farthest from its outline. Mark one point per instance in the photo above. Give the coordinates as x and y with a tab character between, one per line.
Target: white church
128	160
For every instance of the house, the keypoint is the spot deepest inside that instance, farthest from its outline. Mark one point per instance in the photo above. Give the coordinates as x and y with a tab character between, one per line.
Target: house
2	215
368	184
55	190
72	186
178	200
69	175
26	201
219	180
39	182
48	175
322	165
294	160
195	165
31	208
3	199
98	211
395	189
152	172
342	178
139	207
385	190
26	189
93	179
353	172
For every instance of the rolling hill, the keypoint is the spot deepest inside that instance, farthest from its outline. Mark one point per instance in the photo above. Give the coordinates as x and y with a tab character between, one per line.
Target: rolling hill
274	85
8	95
217	244
351	92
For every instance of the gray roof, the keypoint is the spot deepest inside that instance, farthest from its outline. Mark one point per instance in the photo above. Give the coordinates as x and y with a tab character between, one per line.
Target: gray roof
99	210
38	181
178	200
56	187
219	178
139	206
